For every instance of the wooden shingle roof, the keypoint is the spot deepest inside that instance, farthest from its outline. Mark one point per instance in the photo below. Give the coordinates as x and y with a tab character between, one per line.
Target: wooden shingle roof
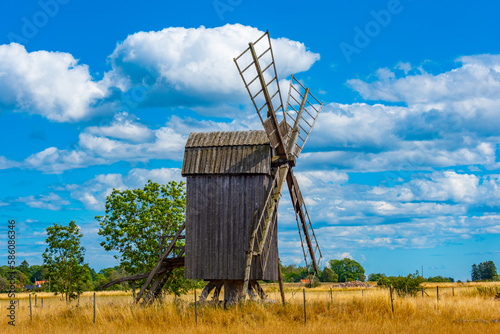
236	152
231	138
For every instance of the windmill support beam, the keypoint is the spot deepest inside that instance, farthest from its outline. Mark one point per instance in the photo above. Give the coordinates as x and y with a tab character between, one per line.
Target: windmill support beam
153	272
211	285
280	282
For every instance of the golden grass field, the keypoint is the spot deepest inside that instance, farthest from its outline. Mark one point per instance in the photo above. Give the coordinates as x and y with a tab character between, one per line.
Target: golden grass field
352	311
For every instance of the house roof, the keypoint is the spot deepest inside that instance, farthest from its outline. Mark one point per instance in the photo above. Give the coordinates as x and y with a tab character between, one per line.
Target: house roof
236	152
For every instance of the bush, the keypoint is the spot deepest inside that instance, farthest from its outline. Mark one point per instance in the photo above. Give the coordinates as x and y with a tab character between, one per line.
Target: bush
440	279
409	285
375	277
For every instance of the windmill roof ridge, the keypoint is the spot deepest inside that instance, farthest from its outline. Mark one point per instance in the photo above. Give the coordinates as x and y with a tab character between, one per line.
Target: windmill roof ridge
227	138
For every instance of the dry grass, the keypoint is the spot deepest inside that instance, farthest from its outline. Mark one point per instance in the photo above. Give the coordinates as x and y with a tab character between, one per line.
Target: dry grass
352	311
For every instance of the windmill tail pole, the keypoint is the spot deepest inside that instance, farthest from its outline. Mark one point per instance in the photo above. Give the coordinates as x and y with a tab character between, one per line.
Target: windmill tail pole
248	264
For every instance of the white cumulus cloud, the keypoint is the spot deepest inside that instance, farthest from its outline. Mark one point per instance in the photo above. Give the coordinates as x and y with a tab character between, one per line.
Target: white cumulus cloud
51	84
194	67
92	193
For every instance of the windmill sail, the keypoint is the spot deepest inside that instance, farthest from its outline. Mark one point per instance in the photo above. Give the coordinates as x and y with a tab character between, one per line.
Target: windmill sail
299	96
257	68
288	130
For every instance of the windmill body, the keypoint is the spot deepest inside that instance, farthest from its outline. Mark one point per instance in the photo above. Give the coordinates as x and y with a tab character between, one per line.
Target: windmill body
228	177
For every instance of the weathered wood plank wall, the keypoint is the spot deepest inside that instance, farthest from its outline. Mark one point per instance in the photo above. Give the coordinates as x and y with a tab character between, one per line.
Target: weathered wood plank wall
219	220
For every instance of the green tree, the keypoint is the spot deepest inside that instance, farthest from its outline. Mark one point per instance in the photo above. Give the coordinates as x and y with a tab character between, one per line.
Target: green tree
24	267
348	270
375	277
3	283
475	275
135	219
38	273
64	258
487	270
293	273
328	275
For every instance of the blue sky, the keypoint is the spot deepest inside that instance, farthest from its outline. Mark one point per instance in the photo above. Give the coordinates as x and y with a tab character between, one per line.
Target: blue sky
401	170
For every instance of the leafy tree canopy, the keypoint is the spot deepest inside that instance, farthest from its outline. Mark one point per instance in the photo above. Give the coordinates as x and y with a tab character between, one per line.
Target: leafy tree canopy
134	221
328	275
348	270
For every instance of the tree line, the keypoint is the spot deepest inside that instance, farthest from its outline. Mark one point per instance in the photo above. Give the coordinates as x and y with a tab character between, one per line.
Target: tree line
27	275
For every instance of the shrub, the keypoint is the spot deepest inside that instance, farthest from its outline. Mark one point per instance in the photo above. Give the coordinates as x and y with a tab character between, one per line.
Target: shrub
403	285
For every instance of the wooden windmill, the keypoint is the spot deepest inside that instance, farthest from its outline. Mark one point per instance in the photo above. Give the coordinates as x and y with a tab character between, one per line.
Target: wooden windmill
234	185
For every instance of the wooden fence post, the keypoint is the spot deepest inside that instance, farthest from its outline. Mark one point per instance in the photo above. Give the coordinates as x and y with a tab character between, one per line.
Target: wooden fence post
305	310
31	312
422	292
437	291
453	291
42	303
331	295
392	301
94	307
35	302
195	308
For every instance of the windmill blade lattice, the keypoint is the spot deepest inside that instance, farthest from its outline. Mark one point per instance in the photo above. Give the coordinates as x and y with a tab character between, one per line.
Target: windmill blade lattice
257	68
307	118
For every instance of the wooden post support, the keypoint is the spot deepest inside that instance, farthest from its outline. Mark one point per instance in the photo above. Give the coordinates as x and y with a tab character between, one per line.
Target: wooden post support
42	303
392	301
78	300
422	292
195	308
453	291
331	295
94	307
437	291
305	309
31	312
35	302
280	282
